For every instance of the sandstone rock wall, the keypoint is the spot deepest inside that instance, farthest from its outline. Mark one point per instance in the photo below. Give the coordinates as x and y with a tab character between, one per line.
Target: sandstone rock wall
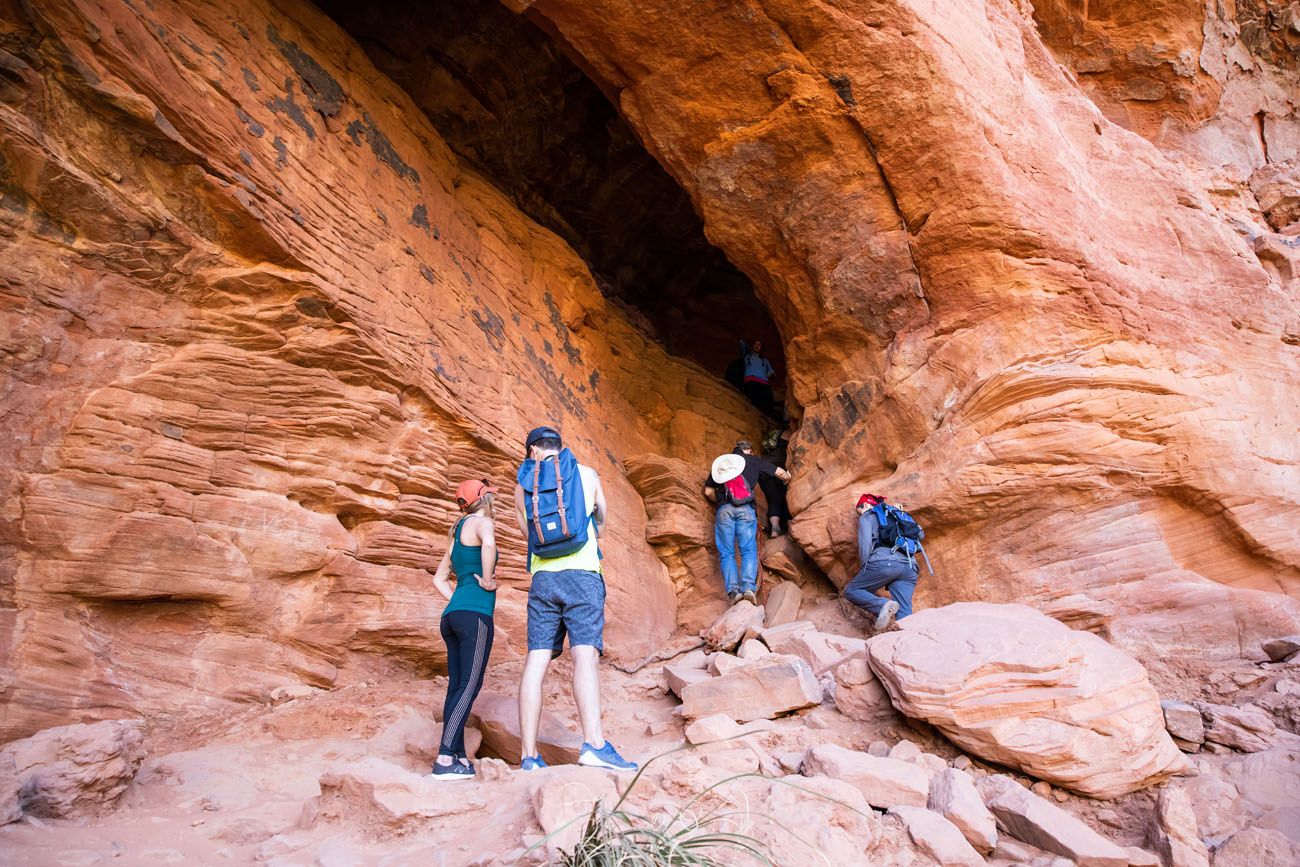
1077	364
257	323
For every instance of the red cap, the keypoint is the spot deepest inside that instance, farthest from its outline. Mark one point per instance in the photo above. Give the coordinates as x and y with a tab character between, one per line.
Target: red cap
470	492
870	499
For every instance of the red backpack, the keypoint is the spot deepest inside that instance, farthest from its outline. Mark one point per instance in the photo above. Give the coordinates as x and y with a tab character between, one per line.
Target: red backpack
737	492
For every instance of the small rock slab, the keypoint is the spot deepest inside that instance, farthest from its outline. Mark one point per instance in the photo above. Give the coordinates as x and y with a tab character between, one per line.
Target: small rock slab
69	770
563	800
1248	728
497	717
953	795
736	623
1282	649
782	605
1038	822
1183	721
937	837
762	689
884	783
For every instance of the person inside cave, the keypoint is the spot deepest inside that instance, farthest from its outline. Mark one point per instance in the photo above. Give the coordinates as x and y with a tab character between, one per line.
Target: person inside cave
466	625
758	375
776	446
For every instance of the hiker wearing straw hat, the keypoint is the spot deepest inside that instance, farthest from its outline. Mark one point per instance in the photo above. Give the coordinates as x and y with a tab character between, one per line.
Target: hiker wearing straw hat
730	487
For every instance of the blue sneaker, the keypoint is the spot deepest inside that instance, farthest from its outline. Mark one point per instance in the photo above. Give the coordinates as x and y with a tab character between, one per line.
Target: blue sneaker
605	757
532	763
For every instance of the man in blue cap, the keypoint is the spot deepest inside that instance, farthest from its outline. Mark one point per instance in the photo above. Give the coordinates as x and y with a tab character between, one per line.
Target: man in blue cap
560	506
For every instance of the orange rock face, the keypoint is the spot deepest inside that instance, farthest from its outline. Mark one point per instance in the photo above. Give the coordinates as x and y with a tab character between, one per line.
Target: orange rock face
258	320
1075	362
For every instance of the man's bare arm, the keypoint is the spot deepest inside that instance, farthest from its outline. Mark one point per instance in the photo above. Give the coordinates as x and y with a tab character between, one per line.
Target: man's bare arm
599	510
520	515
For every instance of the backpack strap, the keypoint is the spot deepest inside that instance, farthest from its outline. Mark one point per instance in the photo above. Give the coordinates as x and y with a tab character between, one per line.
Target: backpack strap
559	496
537	517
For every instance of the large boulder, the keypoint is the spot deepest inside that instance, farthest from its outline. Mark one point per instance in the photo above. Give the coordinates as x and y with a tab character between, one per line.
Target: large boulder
1016	687
77	769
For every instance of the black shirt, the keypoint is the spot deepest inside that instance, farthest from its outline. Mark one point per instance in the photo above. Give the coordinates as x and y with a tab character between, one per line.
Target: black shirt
755	467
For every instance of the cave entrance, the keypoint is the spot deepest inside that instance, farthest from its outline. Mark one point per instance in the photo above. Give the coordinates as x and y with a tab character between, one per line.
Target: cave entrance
516	108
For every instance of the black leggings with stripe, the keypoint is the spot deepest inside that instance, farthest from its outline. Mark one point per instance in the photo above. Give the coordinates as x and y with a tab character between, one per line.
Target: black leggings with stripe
468	635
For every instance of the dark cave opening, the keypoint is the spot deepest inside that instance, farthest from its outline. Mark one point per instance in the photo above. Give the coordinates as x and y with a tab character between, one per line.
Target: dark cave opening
518	110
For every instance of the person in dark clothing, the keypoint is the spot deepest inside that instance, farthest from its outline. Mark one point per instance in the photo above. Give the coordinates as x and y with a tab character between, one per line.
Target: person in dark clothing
758	379
736	523
466	626
882	569
776	451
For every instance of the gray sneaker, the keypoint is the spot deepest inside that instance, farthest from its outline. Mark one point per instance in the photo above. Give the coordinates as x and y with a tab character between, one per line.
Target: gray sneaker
751	597
886	615
733	597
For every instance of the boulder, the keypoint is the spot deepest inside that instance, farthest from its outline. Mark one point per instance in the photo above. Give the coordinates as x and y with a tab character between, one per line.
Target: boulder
679	676
1247	728
762	689
497	717
782	604
725	663
883	782
1282	649
859	694
937	837
71	770
905	751
714	727
1013	686
1258	847
562	801
953	795
736	623
752	648
1038	822
1176	835
1183	722
381	796
821	650
11	809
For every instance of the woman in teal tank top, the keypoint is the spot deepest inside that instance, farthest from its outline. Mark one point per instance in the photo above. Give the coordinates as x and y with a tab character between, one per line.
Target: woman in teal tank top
466	620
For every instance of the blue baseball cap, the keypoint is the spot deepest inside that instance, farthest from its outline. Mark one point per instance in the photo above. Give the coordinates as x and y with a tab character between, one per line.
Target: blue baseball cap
540	433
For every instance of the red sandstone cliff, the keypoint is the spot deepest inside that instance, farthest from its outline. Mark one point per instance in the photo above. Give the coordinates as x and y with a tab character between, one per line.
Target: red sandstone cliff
258	319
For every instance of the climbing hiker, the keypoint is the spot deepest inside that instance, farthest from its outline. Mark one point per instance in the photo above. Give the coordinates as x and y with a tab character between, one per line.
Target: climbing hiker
730	487
467	620
888	542
776	445
560	506
758	379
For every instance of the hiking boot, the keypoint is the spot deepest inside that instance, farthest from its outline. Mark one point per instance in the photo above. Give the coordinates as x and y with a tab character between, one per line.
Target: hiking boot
453	772
605	757
886	616
733	597
750	596
532	763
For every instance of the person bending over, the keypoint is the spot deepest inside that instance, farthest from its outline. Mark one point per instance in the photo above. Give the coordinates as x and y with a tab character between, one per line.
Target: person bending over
466	621
560	505
885	566
730	487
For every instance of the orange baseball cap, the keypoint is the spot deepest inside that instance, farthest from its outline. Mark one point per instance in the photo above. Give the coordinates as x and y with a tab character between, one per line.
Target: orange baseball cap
468	493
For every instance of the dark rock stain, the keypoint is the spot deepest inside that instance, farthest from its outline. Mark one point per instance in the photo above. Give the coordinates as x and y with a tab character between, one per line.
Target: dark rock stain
286	106
420	217
555	382
321	89
254	128
492	325
281	152
427	273
844	88
250	79
561	329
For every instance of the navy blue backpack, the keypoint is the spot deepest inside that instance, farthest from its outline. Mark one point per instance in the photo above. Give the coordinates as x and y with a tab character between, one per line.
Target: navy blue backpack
900	532
555	505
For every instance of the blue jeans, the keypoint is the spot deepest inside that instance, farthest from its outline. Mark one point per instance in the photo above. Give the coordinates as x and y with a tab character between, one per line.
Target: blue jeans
737	525
886	573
